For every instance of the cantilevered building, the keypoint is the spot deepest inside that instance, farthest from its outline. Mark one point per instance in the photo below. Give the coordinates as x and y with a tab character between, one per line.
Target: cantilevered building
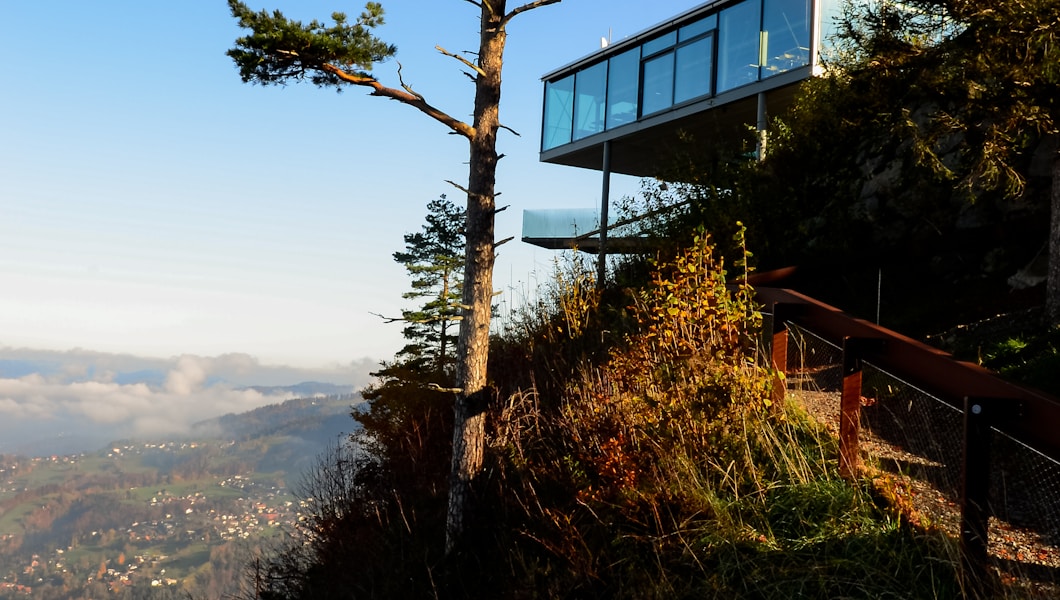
709	73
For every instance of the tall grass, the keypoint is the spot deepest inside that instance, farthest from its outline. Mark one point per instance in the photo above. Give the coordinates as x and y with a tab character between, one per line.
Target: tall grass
656	467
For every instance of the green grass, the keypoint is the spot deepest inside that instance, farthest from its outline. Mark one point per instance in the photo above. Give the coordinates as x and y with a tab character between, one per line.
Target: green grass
12	520
188	558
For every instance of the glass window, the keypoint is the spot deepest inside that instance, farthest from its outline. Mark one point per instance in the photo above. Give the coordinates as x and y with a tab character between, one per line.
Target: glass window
658	84
738	45
786	35
590	88
693	69
660	43
623	81
559	113
698	28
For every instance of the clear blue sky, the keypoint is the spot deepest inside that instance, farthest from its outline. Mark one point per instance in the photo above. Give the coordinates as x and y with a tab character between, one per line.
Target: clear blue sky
153	204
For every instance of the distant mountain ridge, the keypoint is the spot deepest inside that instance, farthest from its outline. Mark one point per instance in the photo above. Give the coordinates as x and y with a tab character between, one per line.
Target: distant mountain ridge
306	389
314	417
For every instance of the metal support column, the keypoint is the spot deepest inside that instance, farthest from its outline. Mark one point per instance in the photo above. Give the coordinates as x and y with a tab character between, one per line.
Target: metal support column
605	201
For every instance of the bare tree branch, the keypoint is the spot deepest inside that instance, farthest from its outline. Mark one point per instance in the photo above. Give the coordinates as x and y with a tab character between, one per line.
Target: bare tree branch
452	318
510	129
438	388
467	62
406	86
524	8
458	186
405	97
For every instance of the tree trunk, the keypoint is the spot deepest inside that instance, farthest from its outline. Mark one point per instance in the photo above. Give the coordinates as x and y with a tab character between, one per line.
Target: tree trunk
1052	286
469	430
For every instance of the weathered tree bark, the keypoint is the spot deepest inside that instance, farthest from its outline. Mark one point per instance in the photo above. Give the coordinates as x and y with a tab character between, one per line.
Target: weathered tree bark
1052	285
469	411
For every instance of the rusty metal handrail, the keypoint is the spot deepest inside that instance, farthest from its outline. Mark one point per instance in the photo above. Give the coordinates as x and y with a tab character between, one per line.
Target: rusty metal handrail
986	402
1034	416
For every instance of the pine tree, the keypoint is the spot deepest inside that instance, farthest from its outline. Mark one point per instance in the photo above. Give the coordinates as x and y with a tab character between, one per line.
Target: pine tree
434	259
278	50
406	415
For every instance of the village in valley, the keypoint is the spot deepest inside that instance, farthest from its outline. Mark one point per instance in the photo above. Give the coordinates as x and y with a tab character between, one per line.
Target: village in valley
180	516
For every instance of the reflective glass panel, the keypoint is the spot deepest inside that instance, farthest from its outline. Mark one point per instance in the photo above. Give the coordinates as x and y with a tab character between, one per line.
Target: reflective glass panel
693	72
590	89
659	43
658	84
623	79
698	28
558	113
786	24
738	37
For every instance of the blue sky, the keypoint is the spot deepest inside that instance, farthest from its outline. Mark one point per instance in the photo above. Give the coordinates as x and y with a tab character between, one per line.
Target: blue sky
152	204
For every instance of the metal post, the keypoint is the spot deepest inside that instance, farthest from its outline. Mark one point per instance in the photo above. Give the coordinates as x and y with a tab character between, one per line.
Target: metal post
854	350
975	488
849	413
605	201
779	351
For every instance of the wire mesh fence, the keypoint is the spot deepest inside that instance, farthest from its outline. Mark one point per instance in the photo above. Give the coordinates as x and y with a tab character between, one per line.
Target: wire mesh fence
814	363
919	438
918	423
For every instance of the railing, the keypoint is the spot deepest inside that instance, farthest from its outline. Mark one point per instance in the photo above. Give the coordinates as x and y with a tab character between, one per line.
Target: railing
566	229
991	445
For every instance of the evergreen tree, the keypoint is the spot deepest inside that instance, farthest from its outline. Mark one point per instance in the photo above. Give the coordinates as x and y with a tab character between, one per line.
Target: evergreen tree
434	259
278	50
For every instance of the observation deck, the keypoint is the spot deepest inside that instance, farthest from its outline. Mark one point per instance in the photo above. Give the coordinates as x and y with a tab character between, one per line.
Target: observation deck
708	76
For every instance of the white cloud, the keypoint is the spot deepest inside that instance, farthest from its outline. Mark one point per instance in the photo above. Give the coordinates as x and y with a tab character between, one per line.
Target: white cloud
84	393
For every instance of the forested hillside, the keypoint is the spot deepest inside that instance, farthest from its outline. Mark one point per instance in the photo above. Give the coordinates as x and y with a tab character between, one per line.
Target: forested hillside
161	518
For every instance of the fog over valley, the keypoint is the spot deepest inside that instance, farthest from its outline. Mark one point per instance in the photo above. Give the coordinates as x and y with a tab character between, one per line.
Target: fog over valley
74	401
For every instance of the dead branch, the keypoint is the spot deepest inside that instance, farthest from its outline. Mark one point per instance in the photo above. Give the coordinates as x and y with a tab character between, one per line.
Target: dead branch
404	96
460	58
458	186
524	8
404	85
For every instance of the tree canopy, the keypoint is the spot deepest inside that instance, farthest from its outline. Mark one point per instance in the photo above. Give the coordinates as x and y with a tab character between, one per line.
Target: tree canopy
279	49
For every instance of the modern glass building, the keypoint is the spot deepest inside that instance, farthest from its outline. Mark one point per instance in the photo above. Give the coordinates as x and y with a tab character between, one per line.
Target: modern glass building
708	74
